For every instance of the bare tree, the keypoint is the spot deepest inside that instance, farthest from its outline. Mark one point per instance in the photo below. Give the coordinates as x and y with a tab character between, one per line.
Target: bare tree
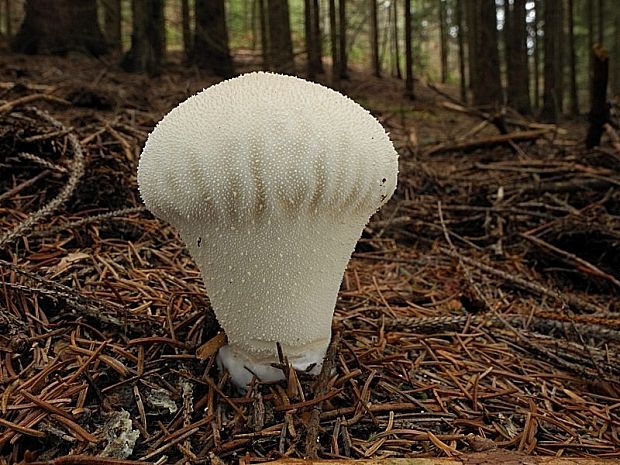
408	53
342	40
443	39
574	100
484	55
461	44
60	26
615	70
112	23
536	28
8	19
146	52
186	30
210	50
399	73
552	91
333	40
317	58
264	33
374	39
280	44
515	35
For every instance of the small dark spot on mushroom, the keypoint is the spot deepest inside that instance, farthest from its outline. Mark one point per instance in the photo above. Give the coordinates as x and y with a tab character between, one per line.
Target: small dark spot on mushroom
383	181
383	196
199	241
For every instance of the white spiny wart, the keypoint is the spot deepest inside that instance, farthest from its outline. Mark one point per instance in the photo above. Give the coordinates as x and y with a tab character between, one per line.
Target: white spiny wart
269	180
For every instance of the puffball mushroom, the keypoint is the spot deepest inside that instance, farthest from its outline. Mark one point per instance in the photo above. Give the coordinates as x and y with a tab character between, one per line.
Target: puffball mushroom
269	180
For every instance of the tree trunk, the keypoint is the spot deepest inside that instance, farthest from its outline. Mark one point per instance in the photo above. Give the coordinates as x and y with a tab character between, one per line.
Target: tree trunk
471	27
615	70
536	39
574	99
146	53
264	34
311	72
509	53
461	44
443	40
399	73
486	83
342	40
408	53
280	43
516	57
8	19
333	41
317	59
211	50
590	19
112	23
374	39
60	26
186	30
552	91
599	111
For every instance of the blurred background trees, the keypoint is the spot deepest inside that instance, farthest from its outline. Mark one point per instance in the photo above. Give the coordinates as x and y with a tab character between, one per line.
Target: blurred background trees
532	55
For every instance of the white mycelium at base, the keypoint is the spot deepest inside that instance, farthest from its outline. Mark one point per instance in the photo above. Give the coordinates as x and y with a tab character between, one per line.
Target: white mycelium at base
270	180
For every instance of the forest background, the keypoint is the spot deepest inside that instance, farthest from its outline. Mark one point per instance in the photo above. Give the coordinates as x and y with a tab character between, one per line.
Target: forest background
534	55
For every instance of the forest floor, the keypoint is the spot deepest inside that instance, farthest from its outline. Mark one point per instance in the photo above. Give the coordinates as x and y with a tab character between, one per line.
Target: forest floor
480	311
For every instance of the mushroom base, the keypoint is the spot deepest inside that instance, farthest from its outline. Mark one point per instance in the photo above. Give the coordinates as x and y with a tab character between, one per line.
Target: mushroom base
243	366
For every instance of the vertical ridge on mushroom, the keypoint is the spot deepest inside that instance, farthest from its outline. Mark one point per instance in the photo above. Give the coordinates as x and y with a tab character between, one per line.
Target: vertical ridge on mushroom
269	180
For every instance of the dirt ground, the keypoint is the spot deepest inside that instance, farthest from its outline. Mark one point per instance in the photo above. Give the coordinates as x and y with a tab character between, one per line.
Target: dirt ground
480	310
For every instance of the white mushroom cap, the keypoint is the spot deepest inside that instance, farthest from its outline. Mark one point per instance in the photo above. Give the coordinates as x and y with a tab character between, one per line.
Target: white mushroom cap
270	180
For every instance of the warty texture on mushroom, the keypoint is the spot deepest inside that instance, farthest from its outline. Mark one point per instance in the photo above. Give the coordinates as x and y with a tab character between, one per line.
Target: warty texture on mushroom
269	180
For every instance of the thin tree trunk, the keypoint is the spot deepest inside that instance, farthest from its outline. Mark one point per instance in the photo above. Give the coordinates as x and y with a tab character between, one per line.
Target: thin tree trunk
559	66
309	40
112	23
408	53
486	85
399	73
574	100
280	42
443	40
318	37
461	44
616	60
515	36
374	39
342	37
254	25
186	28
388	42
552	92
264	35
599	112
333	40
210	50
145	54
8	19
509	40
159	19
537	28
590	20
471	20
